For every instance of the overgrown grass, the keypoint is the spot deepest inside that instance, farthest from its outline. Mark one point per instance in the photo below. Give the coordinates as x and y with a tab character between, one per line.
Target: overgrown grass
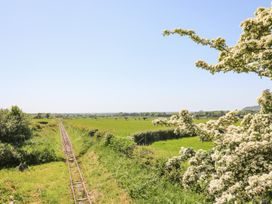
46	183
144	185
80	140
47	133
104	187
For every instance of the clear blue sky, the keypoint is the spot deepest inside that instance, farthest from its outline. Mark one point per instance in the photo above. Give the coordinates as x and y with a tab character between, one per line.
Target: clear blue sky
110	56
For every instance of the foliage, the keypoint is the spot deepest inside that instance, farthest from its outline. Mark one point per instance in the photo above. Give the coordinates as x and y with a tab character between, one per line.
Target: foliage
9	156
238	168
38	154
14	126
120	144
252	53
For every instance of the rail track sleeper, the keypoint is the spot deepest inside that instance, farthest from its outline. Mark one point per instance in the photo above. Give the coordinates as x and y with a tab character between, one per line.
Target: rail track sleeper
77	184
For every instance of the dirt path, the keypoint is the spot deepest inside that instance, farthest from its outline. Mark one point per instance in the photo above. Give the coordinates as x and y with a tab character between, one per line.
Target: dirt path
78	187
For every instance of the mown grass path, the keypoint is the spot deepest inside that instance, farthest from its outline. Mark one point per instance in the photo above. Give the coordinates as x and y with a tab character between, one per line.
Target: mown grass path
78	187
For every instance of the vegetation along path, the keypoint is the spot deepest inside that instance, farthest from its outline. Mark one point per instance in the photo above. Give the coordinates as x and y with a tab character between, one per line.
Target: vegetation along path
78	187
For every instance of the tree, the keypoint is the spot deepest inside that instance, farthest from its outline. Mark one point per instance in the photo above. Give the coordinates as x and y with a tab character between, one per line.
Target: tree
252	53
14	126
38	116
238	169
47	115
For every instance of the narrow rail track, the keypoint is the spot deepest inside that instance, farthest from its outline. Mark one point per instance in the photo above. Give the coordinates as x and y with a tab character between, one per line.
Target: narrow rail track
78	187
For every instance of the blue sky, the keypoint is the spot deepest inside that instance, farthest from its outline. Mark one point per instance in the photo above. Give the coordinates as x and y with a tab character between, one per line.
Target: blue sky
110	56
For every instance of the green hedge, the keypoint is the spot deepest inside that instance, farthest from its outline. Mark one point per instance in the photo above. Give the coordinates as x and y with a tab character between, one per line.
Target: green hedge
38	154
119	144
147	138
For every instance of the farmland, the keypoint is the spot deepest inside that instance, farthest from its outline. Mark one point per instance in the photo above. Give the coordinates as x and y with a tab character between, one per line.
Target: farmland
100	84
111	176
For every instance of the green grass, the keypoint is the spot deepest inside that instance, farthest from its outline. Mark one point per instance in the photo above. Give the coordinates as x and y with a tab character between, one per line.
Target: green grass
115	178
80	140
47	134
47	183
119	127
143	184
169	148
104	188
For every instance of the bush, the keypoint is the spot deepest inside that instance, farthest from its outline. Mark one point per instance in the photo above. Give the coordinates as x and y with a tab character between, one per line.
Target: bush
147	138
14	126
92	132
120	144
239	167
8	155
38	154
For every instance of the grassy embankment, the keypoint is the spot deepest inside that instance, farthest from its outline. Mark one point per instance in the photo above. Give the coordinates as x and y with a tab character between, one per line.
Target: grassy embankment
45	183
129	179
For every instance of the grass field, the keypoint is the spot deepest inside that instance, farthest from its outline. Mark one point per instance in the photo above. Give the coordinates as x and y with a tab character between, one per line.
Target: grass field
119	127
169	148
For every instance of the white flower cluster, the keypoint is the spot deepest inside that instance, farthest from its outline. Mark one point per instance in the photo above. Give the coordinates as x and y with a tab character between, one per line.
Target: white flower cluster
160	121
216	128
183	123
252	53
239	167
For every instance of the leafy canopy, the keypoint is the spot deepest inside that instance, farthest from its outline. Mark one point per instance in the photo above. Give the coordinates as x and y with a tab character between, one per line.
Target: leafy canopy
252	52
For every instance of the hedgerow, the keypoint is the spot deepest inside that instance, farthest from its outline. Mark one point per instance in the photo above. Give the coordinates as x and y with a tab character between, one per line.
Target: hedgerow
148	137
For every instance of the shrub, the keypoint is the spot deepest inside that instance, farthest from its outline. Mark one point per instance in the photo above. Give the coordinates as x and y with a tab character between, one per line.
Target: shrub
120	144
147	138
38	154
8	155
238	169
14	126
92	132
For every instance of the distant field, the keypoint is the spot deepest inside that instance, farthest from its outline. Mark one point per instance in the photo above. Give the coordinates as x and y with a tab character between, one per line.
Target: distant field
120	126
